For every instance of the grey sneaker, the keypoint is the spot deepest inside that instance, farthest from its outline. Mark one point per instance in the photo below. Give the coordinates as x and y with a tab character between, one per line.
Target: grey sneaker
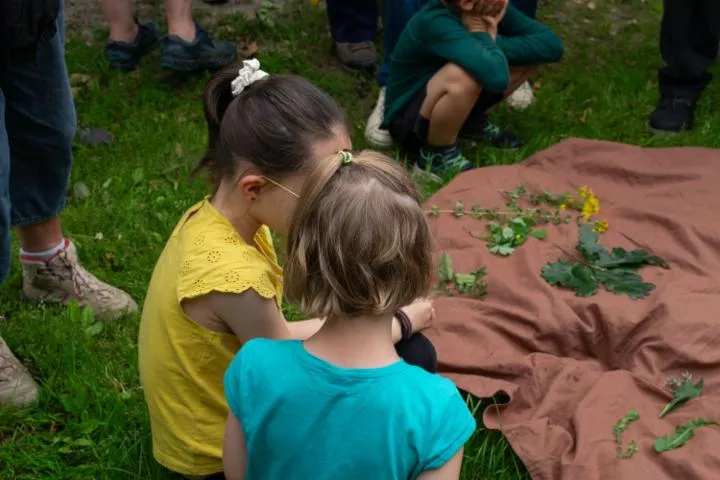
62	279
17	387
126	55
203	53
361	55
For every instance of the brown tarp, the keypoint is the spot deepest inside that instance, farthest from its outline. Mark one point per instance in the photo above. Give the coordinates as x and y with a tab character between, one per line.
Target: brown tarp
574	366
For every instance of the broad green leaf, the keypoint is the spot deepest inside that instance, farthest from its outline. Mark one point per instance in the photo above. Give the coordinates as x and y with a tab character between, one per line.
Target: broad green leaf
682	434
622	281
446	268
615	270
508	233
685	392
503	250
573	276
464	281
588	244
539	234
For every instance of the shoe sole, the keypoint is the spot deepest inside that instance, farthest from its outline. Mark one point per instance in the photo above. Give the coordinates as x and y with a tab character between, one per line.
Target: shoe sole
667	133
23	396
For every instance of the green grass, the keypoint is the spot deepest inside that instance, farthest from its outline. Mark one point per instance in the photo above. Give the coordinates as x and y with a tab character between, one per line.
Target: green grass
91	422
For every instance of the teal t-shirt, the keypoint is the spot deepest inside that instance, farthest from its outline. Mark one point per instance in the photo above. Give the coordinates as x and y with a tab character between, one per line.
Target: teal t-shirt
304	418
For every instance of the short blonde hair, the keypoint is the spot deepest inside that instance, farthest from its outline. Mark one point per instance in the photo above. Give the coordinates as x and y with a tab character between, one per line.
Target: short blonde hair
359	242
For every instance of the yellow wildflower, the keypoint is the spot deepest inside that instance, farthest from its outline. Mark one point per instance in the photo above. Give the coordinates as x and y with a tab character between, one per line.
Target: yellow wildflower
584	191
563	207
601	226
517	236
570	201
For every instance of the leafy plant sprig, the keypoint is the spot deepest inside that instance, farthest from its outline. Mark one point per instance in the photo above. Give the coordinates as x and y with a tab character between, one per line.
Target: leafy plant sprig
615	270
618	431
523	221
503	240
472	283
683	390
682	434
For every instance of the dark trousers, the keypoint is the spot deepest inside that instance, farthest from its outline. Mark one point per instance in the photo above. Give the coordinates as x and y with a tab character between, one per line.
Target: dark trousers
418	351
689	36
352	21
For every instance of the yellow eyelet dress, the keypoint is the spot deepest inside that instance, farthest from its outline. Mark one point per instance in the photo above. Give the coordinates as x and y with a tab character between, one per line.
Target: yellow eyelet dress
182	363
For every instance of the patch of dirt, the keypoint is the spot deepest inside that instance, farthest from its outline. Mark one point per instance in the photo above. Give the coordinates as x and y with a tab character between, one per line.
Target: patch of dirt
83	16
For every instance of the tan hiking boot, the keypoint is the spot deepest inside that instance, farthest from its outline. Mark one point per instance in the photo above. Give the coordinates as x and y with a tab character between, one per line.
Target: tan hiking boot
62	279
17	387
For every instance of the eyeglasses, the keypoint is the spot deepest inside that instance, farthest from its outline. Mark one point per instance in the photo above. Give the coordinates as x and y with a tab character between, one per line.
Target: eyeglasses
283	187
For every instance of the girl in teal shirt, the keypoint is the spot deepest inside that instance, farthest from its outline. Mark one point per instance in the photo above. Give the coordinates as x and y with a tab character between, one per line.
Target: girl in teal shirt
343	404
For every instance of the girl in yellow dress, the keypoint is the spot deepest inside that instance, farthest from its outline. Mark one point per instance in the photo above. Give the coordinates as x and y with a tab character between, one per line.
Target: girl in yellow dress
217	283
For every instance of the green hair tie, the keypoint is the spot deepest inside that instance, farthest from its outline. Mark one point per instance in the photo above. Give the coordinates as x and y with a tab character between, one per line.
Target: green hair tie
346	157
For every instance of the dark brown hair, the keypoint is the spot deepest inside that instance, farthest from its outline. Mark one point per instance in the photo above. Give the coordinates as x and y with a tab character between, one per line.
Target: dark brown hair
359	242
272	124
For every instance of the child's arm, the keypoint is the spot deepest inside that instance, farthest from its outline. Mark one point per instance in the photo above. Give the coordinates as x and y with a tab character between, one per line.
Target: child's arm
235	450
475	52
449	471
249	315
526	41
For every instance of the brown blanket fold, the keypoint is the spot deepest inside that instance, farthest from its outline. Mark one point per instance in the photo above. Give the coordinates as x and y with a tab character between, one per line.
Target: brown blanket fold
574	366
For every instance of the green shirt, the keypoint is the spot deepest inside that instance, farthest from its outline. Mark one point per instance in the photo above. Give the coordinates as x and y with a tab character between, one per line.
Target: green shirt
436	36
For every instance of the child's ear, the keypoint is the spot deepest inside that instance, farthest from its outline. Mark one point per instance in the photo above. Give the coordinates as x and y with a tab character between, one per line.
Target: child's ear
251	186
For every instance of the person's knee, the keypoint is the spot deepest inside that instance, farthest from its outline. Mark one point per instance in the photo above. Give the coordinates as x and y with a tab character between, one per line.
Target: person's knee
418	350
459	83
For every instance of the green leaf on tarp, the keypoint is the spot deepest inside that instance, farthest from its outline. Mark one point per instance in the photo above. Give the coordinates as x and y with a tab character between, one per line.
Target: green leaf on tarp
682	394
614	270
682	434
446	268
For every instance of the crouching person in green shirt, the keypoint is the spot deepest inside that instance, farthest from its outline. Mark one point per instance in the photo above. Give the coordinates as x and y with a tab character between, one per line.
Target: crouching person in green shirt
454	61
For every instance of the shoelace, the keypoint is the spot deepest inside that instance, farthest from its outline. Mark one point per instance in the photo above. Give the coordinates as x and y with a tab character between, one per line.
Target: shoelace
492	129
357	47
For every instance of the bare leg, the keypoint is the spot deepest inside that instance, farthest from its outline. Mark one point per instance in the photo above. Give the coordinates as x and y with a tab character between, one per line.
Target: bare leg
180	19
40	236
451	95
119	15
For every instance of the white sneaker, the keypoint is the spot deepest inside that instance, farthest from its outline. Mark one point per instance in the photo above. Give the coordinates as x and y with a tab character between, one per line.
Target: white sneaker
375	135
521	98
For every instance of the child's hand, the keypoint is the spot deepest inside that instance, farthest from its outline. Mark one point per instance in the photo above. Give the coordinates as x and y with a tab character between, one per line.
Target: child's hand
421	314
494	13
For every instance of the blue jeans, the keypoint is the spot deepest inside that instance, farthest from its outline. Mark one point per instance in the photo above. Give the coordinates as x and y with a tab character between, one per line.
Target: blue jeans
398	14
352	21
37	126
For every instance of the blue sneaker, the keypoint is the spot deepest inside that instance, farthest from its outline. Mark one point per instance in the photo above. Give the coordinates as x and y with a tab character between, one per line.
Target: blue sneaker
203	53
442	163
126	55
489	133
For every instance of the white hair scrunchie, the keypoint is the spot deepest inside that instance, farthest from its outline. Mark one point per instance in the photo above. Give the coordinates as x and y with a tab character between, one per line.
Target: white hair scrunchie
247	75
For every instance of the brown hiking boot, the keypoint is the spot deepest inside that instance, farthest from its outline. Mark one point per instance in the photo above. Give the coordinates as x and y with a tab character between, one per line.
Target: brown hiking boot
359	55
17	387
62	279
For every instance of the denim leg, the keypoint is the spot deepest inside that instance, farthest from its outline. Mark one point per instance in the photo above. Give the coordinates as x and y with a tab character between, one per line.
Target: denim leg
40	124
397	15
352	21
4	195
